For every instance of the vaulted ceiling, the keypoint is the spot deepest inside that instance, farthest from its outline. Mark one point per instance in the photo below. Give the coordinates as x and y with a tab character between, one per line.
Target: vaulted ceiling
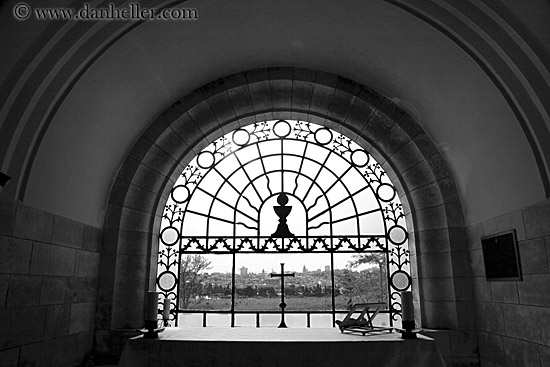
75	96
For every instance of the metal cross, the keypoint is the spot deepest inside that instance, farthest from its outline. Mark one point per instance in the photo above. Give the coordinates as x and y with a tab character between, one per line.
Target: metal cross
282	305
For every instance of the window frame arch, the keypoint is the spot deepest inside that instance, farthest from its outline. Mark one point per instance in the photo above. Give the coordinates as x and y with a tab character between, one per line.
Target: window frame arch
301	136
394	138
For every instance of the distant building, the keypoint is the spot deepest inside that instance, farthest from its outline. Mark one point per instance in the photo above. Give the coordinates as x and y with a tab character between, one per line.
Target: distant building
304	270
327	268
272	281
244	271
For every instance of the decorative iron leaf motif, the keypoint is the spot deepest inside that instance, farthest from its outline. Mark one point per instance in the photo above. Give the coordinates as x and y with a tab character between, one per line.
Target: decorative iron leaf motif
330	246
281	246
307	247
371	244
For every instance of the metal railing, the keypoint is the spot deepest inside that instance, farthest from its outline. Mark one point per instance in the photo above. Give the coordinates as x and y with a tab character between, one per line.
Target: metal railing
267	312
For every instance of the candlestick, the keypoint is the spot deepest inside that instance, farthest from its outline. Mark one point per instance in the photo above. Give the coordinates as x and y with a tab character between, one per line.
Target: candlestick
407	306
408	324
151	316
166	310
152	306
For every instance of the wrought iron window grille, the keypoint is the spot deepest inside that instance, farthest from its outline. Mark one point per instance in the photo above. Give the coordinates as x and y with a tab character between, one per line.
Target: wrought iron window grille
240	193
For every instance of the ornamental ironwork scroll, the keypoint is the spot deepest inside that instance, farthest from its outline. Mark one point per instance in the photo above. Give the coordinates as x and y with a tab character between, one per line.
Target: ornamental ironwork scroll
235	197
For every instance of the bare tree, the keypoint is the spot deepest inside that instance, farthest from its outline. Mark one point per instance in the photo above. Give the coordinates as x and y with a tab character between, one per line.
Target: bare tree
191	278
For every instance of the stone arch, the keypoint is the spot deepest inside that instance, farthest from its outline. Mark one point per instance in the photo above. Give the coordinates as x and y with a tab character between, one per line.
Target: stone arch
440	269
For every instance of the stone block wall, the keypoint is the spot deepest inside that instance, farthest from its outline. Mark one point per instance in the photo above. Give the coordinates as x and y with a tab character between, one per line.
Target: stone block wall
459	348
48	287
514	316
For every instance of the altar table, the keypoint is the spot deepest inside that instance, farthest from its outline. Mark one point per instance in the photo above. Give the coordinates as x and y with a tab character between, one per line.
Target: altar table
266	347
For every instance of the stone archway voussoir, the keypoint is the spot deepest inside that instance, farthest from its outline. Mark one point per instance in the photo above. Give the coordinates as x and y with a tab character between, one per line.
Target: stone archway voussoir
191	123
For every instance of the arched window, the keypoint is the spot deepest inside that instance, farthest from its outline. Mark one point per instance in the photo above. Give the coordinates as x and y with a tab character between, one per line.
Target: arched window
288	188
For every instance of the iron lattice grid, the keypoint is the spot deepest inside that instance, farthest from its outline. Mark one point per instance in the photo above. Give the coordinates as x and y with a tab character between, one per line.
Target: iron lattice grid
344	198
